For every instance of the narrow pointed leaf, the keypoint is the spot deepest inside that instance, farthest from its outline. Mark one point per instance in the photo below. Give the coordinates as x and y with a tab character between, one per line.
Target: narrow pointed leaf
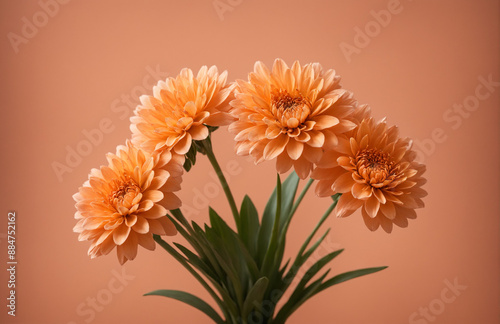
299	297
254	296
289	189
249	225
196	261
270	255
191	300
348	276
315	268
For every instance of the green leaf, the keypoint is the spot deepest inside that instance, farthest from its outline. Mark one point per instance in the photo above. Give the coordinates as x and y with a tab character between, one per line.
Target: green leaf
205	249
228	304
187	165
315	268
301	256
298	299
269	257
225	260
249	225
228	243
219	225
191	237
302	293
313	248
288	191
196	261
191	300
229	254
348	276
190	158
254	296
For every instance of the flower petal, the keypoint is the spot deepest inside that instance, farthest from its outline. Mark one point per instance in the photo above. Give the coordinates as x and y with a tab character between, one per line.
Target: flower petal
182	147
153	195
324	121
372	206
347	205
275	147
361	191
388	210
294	149
372	223
154	212
120	234
343	183
141	226
283	163
199	132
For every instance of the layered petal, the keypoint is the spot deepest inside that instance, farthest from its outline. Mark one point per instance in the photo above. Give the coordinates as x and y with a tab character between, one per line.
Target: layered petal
122	203
290	113
180	110
376	171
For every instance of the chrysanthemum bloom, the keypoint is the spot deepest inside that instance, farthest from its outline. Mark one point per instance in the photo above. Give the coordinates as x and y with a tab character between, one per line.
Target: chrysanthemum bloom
125	203
179	109
376	170
290	114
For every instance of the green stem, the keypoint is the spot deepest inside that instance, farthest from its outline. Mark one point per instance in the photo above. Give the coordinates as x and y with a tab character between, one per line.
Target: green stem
321	221
299	259
301	196
180	217
207	145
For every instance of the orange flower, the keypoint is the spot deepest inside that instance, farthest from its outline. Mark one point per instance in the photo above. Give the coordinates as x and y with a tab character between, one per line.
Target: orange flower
374	169
179	110
125	203
290	114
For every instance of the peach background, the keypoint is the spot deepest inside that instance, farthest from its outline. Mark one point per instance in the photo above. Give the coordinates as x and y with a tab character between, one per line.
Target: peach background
65	79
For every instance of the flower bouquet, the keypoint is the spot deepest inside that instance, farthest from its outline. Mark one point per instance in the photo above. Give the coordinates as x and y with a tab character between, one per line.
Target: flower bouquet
298	116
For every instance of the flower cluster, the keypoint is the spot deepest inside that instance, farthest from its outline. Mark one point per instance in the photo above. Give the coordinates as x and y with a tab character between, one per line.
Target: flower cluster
299	116
125	203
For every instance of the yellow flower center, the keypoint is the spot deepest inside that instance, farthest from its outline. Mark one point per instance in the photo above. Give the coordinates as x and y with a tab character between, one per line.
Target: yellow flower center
290	111
374	166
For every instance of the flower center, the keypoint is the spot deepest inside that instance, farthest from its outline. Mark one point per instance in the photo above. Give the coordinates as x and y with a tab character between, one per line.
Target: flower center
290	111
374	166
124	194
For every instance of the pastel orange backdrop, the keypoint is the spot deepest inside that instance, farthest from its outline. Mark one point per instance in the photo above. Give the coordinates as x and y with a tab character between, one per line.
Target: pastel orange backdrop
81	65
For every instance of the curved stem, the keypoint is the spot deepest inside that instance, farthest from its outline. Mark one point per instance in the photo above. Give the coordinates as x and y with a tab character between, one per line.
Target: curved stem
321	221
207	145
301	196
